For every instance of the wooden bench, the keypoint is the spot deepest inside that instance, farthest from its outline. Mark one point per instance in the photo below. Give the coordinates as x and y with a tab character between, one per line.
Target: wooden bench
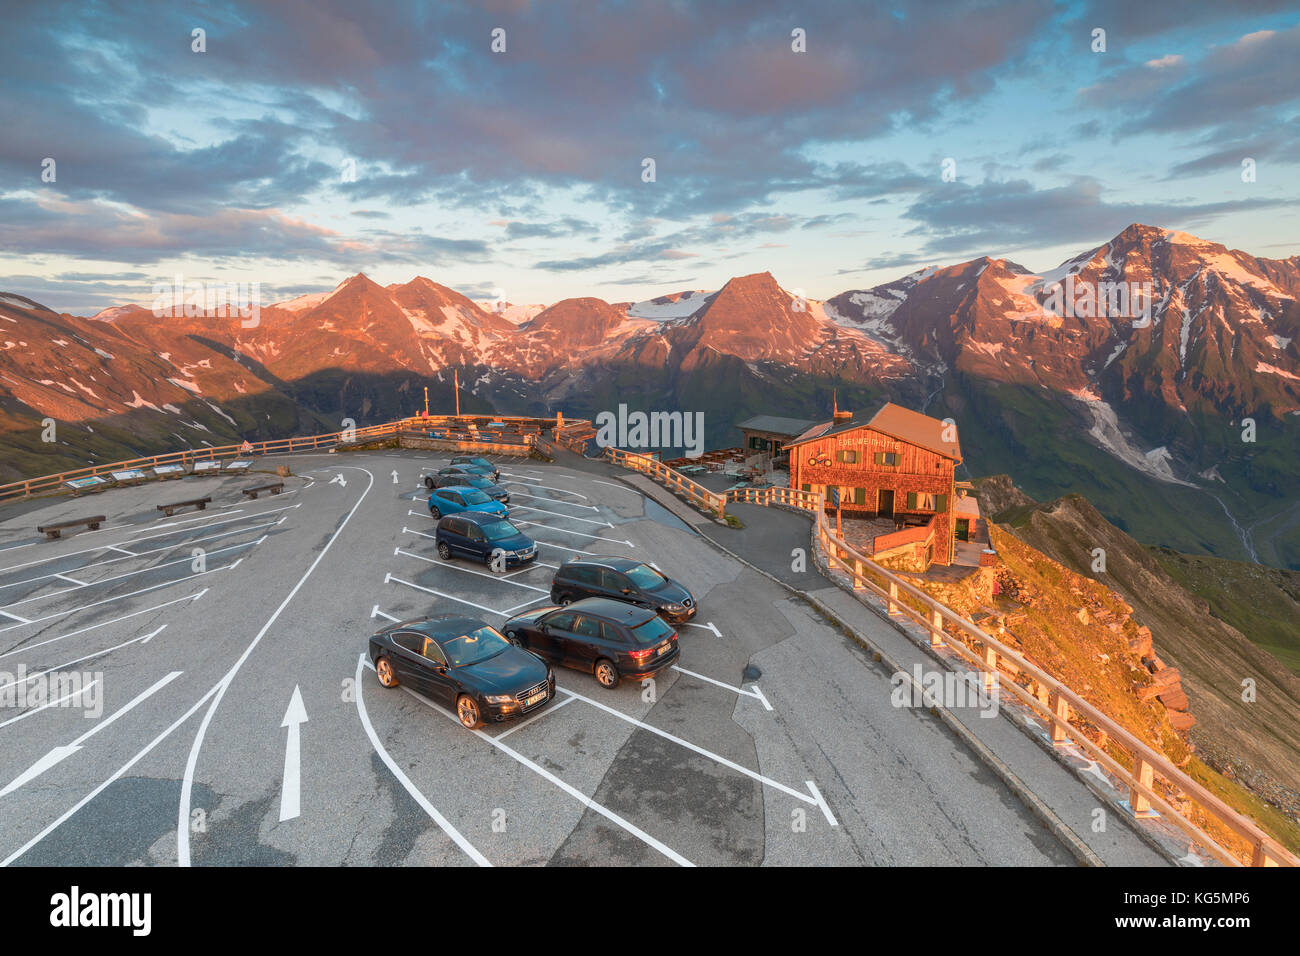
274	488
53	531
199	504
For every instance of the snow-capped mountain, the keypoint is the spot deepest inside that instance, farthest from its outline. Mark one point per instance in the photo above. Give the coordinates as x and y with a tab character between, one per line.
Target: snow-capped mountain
1151	349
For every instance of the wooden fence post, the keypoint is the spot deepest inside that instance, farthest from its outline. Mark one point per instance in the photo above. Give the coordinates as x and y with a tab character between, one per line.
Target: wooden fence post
1060	718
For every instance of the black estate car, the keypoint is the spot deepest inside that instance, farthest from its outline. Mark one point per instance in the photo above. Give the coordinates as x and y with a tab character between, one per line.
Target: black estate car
623	579
606	638
463	664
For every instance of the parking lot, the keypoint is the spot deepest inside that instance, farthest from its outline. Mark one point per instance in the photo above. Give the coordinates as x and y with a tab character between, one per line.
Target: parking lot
240	722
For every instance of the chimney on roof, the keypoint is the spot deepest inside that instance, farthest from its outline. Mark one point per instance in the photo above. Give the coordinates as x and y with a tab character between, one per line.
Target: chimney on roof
836	414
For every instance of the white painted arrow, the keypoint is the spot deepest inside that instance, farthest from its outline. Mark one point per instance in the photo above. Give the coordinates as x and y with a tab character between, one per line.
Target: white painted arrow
59	754
290	794
339	480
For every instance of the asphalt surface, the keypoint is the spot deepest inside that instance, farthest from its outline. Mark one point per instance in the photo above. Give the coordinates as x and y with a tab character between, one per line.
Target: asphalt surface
199	630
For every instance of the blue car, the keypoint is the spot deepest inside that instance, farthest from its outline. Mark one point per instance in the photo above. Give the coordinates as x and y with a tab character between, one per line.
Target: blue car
458	498
484	537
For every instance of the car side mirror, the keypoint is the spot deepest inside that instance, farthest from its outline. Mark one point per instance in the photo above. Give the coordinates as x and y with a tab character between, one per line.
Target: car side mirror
627	590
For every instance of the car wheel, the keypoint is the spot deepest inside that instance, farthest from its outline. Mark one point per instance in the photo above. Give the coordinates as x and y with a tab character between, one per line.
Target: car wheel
468	713
384	670
444	551
428	482
513	638
606	674
435	512
566	600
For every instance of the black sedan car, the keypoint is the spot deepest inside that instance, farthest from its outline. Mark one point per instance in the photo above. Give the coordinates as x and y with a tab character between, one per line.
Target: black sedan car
609	639
622	579
463	664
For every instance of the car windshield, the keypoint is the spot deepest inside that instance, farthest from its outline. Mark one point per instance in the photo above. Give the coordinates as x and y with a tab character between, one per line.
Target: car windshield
499	530
644	576
475	497
652	631
480	483
475	647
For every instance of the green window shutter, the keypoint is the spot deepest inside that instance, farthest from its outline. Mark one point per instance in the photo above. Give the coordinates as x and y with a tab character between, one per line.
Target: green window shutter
806	487
911	500
940	502
859	496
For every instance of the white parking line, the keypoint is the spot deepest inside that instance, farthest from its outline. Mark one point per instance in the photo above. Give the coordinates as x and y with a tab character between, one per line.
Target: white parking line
107	783
821	802
130	574
571	504
375	612
121	597
32	677
563	491
219	690
142	554
615	485
58	754
717	758
205	516
15	617
558	514
581	534
511	610
755	693
91	627
441	594
578	795
529	567
443	823
520	726
53	703
457	567
707	625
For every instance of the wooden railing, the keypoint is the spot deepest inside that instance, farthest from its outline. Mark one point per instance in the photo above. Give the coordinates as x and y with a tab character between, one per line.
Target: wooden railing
1060	708
695	493
43	483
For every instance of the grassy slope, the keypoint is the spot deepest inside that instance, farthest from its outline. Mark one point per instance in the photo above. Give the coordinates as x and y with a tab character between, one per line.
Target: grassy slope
1263	603
1253	744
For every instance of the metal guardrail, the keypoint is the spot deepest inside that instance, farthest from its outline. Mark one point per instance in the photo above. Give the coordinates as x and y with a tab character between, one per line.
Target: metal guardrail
1048	698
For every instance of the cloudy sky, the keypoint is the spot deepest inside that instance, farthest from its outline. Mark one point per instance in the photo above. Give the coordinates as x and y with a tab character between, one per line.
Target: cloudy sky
313	139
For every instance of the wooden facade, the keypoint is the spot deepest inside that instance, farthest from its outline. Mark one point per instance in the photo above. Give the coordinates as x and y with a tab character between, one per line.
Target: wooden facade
881	476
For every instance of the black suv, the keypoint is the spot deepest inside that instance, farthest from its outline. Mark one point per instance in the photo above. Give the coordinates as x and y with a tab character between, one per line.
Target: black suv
609	639
623	579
